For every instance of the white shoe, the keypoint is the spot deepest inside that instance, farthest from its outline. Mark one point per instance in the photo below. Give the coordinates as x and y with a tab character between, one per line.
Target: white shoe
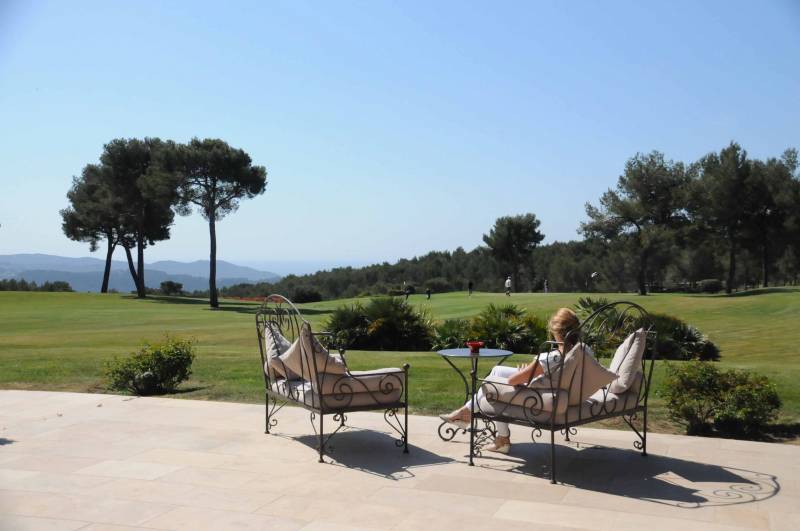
504	449
459	422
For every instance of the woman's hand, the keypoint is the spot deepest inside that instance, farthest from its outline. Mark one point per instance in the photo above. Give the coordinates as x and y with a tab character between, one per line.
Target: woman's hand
523	374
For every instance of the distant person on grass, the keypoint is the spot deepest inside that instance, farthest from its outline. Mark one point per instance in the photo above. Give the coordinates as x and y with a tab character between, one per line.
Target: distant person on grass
428	293
469	287
508	286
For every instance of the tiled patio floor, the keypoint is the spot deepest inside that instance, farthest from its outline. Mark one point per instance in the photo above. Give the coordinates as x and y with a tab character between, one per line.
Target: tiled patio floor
81	461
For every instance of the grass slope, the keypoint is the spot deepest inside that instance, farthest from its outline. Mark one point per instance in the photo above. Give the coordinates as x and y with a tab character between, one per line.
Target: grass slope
60	341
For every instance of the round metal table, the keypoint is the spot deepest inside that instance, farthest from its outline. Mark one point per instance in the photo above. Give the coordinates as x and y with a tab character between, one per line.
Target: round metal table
469	386
464	353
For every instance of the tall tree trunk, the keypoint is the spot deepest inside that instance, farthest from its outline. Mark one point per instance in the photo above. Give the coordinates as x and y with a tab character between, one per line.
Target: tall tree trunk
107	270
731	265
212	263
642	276
131	267
140	290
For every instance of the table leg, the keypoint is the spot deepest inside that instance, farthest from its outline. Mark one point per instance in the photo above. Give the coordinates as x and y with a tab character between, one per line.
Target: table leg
460	375
473	420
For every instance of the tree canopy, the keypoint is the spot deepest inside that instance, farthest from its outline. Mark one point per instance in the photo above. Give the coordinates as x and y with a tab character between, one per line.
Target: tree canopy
94	214
214	178
647	204
145	187
511	242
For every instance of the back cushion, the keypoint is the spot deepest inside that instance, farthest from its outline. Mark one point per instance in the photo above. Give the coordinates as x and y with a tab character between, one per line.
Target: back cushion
588	377
301	360
550	378
627	361
276	344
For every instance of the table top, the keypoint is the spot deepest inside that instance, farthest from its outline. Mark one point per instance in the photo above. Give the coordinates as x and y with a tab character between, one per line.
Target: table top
465	353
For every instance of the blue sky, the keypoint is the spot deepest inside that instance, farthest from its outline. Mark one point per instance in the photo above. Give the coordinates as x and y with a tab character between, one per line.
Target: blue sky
388	128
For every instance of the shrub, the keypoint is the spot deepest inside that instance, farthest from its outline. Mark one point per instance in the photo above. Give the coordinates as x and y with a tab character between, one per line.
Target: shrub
453	333
395	325
12	284
680	341
677	340
154	369
349	326
700	396
508	327
710	285
306	294
586	306
386	323
751	403
169	287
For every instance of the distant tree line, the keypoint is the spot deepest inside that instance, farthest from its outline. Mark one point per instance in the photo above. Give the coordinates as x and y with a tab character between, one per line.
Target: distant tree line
130	197
12	284
725	221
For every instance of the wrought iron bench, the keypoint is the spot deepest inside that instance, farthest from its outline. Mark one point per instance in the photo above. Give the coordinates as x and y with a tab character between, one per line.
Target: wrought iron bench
557	401
299	370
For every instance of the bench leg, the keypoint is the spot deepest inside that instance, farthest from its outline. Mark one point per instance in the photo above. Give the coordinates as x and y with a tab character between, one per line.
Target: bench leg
321	440
644	434
405	422
266	412
552	456
405	419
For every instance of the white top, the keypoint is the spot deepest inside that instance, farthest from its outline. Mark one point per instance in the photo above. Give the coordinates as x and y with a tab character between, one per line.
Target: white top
508	282
549	360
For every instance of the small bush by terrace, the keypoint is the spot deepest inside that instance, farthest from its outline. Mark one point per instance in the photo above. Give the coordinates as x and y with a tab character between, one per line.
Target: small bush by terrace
154	369
704	399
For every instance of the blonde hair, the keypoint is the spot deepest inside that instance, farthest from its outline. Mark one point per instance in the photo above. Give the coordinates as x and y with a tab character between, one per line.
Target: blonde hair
565	326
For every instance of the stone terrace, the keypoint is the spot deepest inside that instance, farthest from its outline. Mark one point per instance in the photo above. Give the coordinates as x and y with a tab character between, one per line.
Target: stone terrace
85	461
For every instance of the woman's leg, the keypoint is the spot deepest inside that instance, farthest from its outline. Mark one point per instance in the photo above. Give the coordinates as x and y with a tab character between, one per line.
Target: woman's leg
499	371
502	429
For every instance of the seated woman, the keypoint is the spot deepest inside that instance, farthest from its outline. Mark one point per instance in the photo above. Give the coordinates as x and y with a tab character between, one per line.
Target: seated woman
563	327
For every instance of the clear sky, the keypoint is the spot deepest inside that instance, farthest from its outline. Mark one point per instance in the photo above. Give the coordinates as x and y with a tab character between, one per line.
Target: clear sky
388	128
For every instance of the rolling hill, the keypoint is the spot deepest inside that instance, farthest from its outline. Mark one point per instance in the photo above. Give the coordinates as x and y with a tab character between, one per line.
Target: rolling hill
86	274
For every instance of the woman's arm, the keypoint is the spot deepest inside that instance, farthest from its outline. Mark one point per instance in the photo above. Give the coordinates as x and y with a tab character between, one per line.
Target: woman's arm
542	363
525	374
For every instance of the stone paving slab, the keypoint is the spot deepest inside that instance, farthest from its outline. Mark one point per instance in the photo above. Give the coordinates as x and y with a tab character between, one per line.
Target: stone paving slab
105	462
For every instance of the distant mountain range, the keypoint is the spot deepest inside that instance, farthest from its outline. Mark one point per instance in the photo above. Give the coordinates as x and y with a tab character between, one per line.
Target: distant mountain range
86	274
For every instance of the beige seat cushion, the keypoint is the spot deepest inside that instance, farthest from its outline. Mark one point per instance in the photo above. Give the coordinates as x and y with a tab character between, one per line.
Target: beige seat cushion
275	344
383	381
307	356
601	403
497	389
302	391
627	361
533	415
604	402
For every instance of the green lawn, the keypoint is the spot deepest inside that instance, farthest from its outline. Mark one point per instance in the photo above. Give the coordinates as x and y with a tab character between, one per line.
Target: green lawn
60	341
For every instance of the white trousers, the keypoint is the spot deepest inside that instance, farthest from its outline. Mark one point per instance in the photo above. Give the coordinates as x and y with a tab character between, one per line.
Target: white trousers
500	371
